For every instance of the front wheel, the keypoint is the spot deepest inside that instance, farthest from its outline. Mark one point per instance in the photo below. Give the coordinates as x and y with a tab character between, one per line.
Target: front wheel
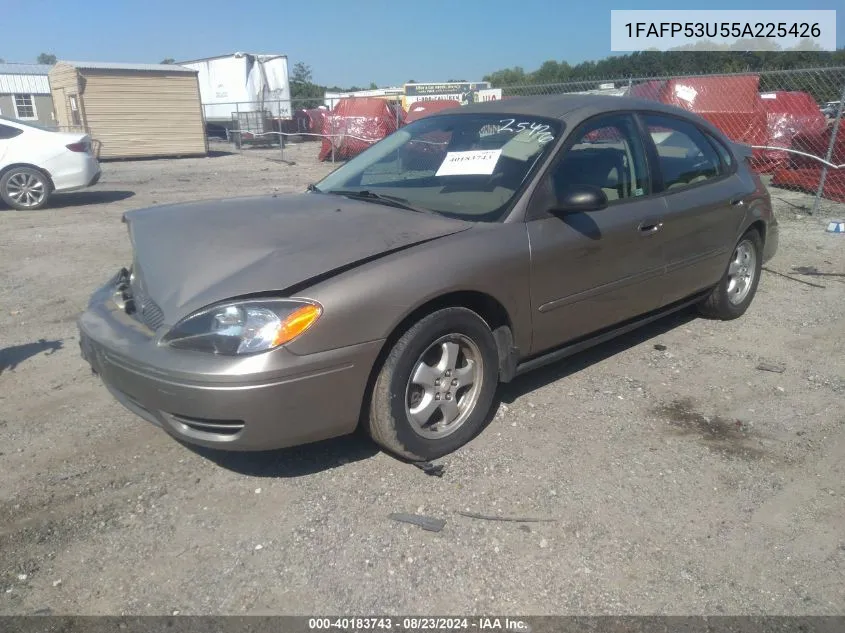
731	298
436	386
25	188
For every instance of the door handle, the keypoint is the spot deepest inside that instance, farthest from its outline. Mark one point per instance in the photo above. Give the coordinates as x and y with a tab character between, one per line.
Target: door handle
738	202
649	228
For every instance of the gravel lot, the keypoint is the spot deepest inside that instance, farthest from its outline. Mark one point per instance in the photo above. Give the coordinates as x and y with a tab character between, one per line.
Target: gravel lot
680	479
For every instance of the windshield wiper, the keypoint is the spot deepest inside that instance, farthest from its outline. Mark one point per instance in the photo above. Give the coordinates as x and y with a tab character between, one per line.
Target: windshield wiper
366	194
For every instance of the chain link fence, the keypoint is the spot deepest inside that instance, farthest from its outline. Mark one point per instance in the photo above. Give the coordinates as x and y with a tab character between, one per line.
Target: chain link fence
795	120
792	118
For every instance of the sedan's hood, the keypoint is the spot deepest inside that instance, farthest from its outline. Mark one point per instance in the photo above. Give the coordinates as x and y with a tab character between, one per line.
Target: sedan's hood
188	256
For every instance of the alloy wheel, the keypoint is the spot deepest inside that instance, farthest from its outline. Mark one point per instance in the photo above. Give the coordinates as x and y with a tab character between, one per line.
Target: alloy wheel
444	386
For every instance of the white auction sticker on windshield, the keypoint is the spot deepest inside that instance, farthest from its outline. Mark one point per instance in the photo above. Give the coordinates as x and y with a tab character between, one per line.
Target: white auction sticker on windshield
475	162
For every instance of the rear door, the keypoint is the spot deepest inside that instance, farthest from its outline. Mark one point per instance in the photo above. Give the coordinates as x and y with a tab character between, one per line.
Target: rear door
7	133
593	270
704	197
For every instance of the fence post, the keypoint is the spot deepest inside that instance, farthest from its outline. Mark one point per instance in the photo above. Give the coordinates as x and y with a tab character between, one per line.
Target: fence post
238	135
331	127
281	132
829	156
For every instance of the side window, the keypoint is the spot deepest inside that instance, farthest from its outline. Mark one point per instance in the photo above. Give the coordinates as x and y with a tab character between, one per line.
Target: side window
608	154
7	132
686	156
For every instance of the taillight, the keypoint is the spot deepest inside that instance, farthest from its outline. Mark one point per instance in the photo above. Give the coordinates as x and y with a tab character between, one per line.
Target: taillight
81	146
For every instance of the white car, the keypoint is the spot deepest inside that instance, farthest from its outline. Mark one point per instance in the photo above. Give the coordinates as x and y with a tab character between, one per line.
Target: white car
36	162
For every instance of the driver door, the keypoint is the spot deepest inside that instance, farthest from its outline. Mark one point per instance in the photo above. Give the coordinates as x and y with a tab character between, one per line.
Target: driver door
592	270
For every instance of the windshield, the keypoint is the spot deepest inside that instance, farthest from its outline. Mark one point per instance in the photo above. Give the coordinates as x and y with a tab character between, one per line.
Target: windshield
467	166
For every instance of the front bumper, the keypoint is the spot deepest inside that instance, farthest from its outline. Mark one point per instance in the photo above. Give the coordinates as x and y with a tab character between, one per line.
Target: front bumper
261	402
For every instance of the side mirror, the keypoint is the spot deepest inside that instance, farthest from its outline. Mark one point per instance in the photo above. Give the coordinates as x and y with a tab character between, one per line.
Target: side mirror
579	199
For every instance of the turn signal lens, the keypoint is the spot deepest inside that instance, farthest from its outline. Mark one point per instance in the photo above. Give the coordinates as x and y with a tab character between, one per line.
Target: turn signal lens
296	323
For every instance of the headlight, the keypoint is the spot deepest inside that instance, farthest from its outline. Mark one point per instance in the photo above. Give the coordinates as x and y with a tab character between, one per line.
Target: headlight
244	327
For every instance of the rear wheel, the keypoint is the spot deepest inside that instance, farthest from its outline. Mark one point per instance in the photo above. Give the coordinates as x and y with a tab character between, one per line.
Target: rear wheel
25	188
436	386
731	298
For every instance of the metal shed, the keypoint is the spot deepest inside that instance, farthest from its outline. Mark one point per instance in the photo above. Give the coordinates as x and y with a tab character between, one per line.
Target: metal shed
25	93
131	110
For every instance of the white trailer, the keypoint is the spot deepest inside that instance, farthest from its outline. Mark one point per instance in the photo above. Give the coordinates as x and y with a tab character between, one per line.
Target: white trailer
243	82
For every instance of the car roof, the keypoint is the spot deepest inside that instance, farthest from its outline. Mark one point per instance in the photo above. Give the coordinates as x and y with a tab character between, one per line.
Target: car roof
574	108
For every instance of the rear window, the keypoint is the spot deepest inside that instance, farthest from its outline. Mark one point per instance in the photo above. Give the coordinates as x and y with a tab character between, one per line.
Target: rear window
686	156
724	154
35	126
7	131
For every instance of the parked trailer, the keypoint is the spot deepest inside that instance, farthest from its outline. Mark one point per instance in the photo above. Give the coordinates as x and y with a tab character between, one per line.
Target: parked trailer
240	83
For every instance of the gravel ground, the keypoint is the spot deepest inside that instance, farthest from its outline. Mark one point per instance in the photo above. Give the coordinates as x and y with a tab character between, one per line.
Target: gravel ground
679	477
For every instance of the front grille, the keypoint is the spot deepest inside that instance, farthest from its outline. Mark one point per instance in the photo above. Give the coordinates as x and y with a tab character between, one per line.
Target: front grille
137	303
151	315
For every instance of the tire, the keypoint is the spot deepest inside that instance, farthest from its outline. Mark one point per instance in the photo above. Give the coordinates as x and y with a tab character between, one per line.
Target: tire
731	297
451	337
25	188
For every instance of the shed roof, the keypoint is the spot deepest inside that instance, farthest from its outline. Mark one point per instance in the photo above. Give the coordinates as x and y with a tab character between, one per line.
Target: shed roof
24	79
170	68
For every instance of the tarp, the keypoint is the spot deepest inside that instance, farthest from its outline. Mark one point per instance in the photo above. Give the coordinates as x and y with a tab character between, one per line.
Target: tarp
793	119
311	120
731	103
808	178
804	173
420	109
355	124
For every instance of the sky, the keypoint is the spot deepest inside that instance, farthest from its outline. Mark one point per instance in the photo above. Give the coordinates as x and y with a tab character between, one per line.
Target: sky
345	42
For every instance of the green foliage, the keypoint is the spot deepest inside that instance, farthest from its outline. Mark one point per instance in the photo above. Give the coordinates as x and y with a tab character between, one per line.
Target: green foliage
167	60
301	73
46	58
307	94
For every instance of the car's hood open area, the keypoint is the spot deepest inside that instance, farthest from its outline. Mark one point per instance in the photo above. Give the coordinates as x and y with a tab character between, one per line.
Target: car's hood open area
188	256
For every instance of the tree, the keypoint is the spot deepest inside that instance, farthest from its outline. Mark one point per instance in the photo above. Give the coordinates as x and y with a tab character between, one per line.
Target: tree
304	92
46	58
373	85
301	73
167	60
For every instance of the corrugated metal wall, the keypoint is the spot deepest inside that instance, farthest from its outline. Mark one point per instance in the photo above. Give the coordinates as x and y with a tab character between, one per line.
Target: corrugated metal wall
24	85
134	114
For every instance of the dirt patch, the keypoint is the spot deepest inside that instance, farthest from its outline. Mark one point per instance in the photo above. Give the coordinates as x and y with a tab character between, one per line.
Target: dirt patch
724	435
